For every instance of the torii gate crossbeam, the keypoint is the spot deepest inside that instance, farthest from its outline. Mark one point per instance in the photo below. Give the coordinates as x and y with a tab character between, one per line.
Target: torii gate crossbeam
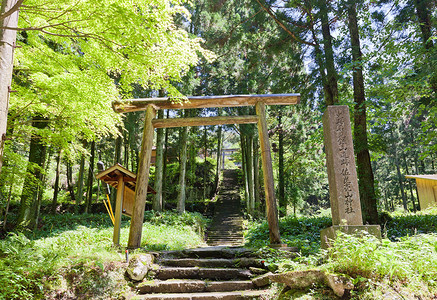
150	105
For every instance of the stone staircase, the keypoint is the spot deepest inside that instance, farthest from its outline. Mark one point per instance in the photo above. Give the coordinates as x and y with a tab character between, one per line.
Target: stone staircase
204	274
227	223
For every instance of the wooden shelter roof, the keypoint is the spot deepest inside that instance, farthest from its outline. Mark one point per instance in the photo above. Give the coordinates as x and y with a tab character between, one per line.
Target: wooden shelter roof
429	177
111	175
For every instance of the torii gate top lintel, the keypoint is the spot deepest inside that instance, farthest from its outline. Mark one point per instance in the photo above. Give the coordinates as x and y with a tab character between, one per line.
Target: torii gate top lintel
150	105
205	102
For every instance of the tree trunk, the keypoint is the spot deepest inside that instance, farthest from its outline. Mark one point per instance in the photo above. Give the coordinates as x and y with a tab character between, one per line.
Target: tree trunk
89	193
205	151
364	168
386	201
244	166
79	195
182	170
281	180
40	193
249	164
7	203
70	181
191	156
118	144
133	161
424	18
409	183
164	168
401	182
331	97
219	158
7	43
98	190
256	177
126	148
33	179
398	171
157	200
56	187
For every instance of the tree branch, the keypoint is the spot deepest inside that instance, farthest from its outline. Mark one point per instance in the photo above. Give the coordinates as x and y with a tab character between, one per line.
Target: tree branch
12	10
269	11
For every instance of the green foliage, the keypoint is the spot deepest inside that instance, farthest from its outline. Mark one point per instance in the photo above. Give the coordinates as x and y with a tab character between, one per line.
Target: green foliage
304	232
56	224
410	257
301	232
411	262
17	257
409	224
377	268
304	161
194	179
73	254
194	220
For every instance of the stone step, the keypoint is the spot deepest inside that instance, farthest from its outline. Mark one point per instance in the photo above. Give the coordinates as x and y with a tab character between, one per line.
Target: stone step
224	224
210	252
229	234
224	243
224	233
238	241
165	273
193	286
227	240
212	262
230	240
235	295
221	233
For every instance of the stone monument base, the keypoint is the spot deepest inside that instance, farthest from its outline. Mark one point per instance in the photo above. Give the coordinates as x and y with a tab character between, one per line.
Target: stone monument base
328	235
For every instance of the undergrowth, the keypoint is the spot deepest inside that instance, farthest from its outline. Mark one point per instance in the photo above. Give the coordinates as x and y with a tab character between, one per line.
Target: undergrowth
403	265
304	232
301	232
71	256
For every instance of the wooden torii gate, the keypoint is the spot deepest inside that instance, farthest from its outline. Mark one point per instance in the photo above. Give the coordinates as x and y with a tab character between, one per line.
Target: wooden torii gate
150	105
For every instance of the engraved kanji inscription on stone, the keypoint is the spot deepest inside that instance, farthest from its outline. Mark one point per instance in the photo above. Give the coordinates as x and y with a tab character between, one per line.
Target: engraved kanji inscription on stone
343	184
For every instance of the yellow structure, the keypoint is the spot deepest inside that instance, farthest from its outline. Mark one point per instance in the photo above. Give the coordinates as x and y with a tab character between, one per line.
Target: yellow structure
427	189
124	181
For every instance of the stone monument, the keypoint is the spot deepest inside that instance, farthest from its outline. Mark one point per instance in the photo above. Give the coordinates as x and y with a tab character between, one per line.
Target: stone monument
342	176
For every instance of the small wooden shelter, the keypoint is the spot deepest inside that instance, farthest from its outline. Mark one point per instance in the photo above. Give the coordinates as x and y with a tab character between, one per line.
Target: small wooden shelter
151	105
124	181
427	189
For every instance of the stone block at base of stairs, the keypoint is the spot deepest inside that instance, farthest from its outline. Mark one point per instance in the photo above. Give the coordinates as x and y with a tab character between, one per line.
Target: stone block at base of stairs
192	286
238	295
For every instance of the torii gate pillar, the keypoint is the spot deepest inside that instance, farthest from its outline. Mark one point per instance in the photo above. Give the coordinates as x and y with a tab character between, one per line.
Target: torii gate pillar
142	180
269	187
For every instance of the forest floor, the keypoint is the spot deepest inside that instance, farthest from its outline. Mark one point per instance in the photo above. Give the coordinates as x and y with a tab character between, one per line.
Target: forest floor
71	256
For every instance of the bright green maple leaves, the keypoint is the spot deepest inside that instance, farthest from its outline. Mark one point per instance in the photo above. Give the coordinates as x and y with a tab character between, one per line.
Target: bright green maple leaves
78	56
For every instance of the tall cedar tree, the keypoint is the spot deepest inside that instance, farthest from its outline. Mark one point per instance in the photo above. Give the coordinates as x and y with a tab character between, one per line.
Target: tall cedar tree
361	145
